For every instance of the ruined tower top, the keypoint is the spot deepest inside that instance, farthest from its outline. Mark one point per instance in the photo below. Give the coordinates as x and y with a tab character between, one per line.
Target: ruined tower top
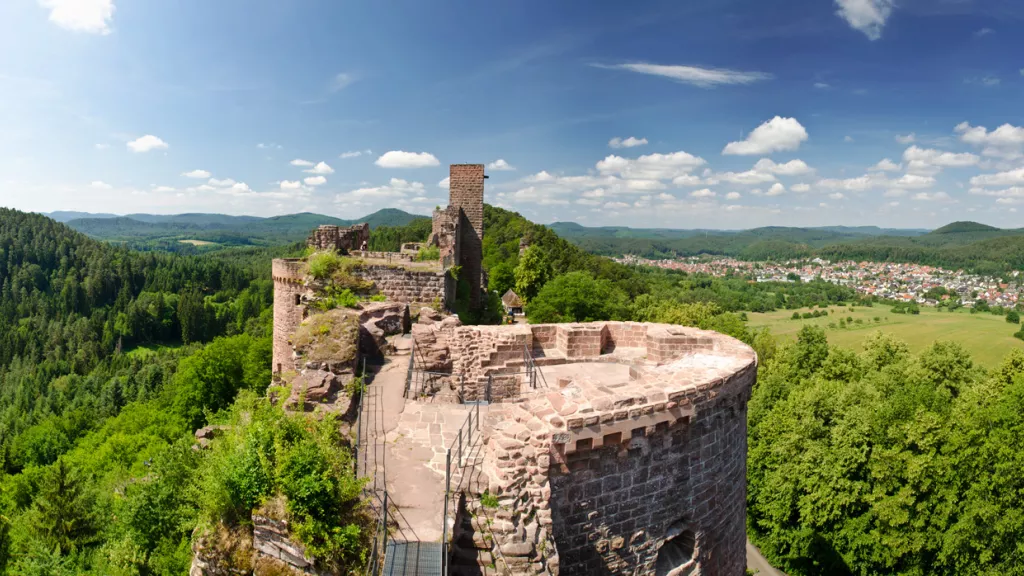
466	191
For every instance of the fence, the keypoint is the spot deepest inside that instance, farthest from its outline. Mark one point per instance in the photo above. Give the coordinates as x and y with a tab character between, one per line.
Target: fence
460	449
420	382
379	544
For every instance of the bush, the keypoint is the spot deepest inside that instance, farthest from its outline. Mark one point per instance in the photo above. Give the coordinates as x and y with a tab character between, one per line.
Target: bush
428	253
1019	334
807	315
795	316
1013	317
323	265
859	321
877	319
577	297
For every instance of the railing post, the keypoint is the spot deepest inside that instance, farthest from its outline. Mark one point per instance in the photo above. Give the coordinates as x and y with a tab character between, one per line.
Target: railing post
359	435
384	548
444	519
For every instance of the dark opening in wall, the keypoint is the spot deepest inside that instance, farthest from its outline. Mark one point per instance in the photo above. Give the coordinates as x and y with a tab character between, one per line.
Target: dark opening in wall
675	557
298	299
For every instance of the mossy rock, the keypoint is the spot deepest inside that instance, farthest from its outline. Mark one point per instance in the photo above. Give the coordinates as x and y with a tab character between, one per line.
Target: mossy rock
331	337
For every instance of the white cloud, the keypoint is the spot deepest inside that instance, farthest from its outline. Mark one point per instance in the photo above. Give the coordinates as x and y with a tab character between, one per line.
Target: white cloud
222	183
541	176
687	180
703	193
341	81
847	138
320	168
695	75
906	139
836	196
300	162
500	165
1008	178
626	142
913	182
102	146
290	185
314	180
775	135
92	16
801	187
868	16
886	165
163	189
1005	136
354	154
651	166
1013	191
791	168
196	174
733	196
147	143
402	159
932	197
748	177
270	146
895	193
100	185
984	32
444	183
615	205
777	189
929	161
821	85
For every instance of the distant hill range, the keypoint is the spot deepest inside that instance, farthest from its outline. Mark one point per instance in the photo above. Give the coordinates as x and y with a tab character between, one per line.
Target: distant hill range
163	231
969	245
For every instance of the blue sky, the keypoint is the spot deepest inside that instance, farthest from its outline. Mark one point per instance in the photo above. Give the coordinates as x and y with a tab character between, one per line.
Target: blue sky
722	114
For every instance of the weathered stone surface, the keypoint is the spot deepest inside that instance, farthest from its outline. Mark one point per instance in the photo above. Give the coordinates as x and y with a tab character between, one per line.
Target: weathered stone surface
428	315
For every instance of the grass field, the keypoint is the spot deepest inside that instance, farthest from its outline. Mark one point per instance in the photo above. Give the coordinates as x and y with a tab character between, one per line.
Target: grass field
986	336
197	242
146	351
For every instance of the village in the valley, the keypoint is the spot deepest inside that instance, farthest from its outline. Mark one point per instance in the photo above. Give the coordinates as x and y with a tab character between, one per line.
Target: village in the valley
886	280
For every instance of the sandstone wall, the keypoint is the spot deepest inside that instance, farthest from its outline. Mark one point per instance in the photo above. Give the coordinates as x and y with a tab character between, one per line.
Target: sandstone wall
401	285
618	503
466	191
289	309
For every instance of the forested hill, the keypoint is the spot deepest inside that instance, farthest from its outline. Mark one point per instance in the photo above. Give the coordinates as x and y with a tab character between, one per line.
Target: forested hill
967	245
192	233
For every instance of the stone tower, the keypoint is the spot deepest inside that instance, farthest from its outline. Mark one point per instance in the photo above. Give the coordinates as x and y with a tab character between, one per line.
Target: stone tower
466	194
289	309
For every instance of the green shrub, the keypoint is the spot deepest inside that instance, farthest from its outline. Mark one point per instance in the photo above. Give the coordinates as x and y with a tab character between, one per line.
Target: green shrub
323	265
795	316
1013	317
428	253
488	500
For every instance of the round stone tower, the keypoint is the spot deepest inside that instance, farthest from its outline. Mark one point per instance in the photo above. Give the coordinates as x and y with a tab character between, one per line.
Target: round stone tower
289	310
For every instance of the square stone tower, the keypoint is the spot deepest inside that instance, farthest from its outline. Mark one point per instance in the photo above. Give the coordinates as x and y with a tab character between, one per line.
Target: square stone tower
466	194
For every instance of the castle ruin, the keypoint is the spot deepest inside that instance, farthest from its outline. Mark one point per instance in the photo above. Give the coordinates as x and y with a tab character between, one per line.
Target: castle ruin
556	449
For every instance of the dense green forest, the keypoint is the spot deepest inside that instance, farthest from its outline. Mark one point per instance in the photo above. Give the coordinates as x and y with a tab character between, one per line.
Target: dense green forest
880	462
109	359
202	233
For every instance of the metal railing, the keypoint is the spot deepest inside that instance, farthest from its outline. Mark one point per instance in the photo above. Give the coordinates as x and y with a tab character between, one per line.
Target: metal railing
459	447
379	543
418	382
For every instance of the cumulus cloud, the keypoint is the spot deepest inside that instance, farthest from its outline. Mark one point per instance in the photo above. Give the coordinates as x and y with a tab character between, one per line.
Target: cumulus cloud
776	135
748	177
320	168
1004	137
837	196
100	185
886	165
290	185
300	162
703	193
1007	178
500	165
867	16
626	142
341	81
91	16
777	189
402	159
268	146
395	188
196	174
906	139
147	143
314	180
444	183
801	187
847	138
733	196
163	189
694	75
221	183
939	158
931	197
791	168
650	166
1013	191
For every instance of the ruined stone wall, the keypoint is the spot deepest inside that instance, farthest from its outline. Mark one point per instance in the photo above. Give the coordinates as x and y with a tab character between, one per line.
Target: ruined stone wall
466	191
401	285
340	238
618	503
289	309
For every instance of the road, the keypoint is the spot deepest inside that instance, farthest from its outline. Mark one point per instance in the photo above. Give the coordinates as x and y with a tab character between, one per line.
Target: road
757	562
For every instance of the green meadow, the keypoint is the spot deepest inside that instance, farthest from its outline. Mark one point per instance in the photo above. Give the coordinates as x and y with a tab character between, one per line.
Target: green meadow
986	336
